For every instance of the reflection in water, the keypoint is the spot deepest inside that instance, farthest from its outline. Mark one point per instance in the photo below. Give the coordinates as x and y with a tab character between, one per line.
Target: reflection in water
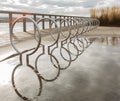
93	77
6	72
109	40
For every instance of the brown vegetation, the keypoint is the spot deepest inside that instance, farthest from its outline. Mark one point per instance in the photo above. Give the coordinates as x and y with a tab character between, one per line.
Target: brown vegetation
109	40
107	16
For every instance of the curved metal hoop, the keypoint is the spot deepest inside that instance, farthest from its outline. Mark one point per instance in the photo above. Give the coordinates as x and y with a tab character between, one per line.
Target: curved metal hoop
49	52
13	25
58	31
27	59
57	67
18	92
62	42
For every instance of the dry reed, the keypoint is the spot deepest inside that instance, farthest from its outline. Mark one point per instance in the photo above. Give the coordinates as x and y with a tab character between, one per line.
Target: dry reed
107	16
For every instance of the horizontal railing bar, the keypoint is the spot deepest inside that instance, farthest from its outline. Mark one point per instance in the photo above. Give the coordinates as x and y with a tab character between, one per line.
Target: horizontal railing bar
30	13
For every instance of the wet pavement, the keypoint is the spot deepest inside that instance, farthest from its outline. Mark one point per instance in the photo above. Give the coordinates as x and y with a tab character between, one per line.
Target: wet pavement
94	76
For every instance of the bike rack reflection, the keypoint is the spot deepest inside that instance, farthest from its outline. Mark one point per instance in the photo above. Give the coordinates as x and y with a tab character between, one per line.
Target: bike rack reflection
67	43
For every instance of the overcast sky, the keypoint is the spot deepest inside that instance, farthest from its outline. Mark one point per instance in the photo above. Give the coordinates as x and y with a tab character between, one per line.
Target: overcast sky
67	7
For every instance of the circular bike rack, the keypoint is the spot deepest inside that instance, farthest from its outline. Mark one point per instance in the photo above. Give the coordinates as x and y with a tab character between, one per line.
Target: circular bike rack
66	46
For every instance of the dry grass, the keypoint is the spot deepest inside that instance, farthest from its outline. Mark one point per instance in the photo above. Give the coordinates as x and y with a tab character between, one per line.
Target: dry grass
107	16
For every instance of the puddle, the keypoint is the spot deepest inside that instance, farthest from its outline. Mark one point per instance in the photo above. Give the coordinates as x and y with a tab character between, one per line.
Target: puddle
109	40
94	76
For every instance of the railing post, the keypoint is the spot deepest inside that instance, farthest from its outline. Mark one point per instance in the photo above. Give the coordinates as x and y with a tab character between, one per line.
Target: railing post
68	20
60	21
24	24
64	21
55	19
71	21
49	21
43	23
10	22
34	17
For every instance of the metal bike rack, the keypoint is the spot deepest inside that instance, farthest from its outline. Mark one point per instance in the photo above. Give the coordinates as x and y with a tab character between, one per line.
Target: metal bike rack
68	31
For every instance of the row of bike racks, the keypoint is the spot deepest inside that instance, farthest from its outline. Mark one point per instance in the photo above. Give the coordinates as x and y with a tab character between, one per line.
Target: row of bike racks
67	45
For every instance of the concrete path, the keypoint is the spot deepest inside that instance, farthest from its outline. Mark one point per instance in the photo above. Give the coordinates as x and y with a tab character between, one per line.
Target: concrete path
94	76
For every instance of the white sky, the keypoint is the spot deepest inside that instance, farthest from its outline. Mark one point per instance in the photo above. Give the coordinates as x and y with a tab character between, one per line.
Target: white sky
67	7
